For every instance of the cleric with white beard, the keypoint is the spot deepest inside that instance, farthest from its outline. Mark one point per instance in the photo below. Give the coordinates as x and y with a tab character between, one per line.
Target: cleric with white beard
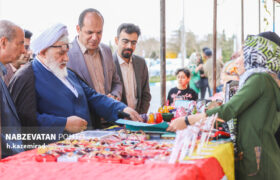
61	102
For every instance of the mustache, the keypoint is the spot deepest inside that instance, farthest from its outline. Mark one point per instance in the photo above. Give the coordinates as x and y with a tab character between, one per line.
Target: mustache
63	63
128	49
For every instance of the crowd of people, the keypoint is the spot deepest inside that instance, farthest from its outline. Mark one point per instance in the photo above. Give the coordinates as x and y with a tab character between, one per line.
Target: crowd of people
70	87
256	105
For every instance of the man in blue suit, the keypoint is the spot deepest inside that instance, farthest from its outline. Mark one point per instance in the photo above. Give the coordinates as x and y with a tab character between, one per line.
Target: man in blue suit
11	47
55	98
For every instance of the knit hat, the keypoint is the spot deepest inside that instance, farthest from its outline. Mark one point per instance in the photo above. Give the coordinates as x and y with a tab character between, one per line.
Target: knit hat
203	49
208	52
272	36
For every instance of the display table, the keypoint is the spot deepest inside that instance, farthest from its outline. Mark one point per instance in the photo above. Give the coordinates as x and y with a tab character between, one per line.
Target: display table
223	153
24	166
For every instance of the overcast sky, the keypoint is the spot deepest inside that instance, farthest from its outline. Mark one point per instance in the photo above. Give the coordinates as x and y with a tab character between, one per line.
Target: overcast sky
37	15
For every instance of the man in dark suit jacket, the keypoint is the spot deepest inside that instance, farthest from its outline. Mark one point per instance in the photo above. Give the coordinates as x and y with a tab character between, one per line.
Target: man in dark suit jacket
132	69
11	47
23	59
91	60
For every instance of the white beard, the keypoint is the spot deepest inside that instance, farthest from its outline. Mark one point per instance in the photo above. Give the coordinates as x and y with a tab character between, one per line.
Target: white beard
55	68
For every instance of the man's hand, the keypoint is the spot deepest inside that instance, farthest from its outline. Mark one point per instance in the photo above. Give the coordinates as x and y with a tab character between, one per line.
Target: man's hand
75	124
133	114
113	97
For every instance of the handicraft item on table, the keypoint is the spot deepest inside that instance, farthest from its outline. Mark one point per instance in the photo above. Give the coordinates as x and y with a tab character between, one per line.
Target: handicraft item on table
115	148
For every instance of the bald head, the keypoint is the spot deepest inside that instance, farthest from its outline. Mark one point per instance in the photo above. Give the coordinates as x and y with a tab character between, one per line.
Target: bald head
90	31
89	11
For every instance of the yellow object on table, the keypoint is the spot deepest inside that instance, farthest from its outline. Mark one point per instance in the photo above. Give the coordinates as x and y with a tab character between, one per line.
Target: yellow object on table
160	110
165	109
223	152
151	118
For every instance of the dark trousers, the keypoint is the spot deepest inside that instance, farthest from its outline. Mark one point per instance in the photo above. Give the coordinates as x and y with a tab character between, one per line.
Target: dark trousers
204	86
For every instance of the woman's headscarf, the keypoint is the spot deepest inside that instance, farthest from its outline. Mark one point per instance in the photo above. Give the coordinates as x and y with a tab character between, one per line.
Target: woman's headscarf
193	59
261	54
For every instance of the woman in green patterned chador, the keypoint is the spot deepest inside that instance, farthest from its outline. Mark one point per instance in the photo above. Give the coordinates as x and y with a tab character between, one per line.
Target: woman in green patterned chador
257	108
195	66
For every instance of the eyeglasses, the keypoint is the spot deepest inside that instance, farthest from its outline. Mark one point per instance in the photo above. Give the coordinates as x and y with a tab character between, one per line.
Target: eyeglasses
126	41
64	47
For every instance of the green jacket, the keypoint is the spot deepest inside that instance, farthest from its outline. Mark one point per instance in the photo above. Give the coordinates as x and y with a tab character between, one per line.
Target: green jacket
195	77
256	107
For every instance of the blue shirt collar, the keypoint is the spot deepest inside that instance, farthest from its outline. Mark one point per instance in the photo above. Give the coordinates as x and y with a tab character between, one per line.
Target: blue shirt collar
3	68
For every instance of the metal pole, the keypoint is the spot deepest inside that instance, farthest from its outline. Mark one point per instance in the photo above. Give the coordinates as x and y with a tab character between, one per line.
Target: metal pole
214	45
0	105
162	53
259	16
1	15
273	15
0	18
183	40
242	21
1	137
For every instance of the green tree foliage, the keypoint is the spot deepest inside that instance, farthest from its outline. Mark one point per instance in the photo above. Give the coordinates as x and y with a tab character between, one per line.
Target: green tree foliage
174	43
194	44
149	48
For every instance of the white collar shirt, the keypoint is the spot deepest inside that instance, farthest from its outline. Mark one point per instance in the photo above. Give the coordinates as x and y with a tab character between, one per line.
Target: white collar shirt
129	82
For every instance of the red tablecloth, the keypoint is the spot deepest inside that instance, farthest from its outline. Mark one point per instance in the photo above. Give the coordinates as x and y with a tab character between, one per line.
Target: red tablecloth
24	166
